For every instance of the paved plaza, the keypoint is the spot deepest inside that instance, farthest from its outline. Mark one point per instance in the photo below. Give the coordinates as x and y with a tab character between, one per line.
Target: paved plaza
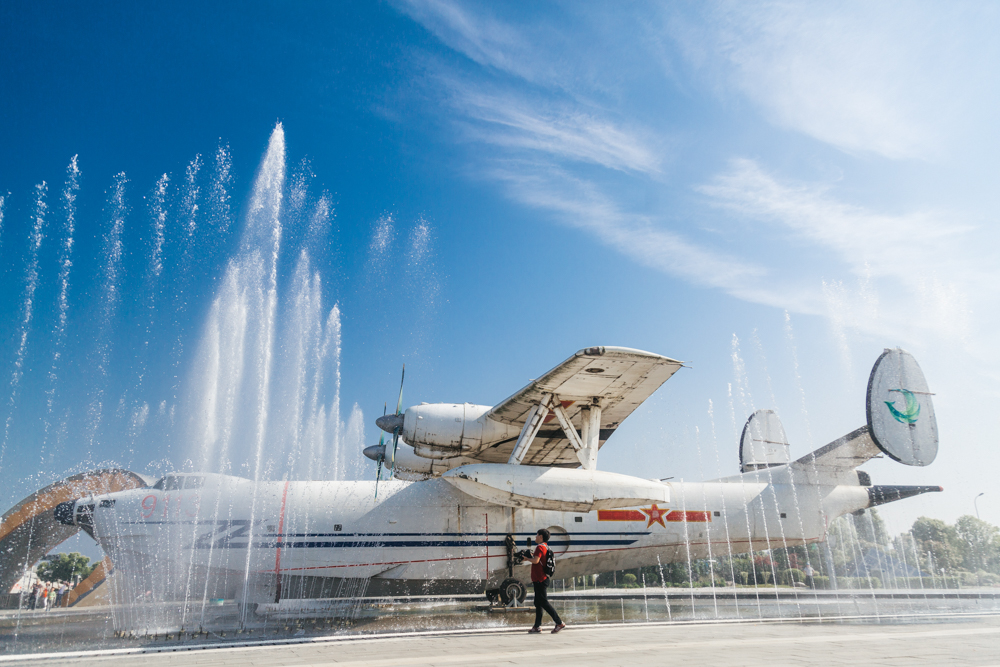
968	641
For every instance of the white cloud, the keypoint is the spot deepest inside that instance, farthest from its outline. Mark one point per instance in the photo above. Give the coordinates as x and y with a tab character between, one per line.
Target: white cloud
859	78
885	244
652	243
558	131
933	267
901	81
478	36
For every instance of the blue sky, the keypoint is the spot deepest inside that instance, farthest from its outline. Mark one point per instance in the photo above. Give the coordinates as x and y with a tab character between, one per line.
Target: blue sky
772	192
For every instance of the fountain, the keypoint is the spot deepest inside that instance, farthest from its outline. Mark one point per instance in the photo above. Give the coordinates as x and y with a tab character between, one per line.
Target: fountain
236	370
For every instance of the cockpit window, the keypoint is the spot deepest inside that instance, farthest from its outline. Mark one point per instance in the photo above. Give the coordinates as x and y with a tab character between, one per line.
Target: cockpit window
194	482
179	482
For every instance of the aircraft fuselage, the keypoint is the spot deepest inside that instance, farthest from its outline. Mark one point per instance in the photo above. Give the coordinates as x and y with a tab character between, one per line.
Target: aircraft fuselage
429	536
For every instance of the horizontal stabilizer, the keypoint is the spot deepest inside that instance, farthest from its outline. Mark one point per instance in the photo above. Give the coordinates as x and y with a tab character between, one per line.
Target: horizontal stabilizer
845	453
557	489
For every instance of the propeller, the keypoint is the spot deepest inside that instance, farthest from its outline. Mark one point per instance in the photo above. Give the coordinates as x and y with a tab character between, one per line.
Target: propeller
388	424
377	453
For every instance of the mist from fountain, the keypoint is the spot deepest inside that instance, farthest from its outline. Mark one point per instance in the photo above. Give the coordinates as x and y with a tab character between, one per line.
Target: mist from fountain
28	309
749	528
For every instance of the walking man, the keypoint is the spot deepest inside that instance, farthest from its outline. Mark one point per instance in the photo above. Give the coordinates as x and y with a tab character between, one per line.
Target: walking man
540	582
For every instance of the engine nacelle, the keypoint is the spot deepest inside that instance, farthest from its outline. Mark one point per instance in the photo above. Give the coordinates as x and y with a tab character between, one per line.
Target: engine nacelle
411	466
447	430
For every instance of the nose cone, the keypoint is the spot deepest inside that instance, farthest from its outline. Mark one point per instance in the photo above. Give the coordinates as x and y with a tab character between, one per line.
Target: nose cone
390	423
63	513
375	452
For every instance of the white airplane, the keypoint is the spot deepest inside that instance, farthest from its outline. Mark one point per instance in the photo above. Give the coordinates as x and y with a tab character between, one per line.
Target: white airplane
481	479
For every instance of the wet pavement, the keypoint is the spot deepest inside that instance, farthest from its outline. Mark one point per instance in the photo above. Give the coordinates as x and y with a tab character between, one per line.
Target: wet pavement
964	642
652	613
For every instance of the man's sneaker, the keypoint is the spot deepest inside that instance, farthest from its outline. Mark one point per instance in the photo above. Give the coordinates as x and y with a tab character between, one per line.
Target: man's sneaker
534	630
558	628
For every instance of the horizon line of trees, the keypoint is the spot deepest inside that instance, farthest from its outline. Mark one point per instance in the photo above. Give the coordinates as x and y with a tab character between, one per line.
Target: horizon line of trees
932	554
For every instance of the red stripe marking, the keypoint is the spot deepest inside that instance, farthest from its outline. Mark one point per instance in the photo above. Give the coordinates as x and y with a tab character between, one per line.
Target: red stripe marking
281	531
693	543
620	515
690	516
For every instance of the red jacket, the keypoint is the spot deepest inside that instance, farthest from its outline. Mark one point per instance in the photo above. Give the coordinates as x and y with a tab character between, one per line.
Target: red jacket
538	569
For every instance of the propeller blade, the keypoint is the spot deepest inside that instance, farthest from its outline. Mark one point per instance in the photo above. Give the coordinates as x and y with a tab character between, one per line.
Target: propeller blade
395	443
381	456
399	403
398	428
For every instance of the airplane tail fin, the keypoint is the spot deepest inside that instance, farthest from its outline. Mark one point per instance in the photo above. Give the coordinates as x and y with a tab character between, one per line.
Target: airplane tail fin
900	410
763	443
901	423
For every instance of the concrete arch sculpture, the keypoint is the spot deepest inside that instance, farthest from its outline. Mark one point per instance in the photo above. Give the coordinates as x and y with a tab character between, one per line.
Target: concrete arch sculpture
28	530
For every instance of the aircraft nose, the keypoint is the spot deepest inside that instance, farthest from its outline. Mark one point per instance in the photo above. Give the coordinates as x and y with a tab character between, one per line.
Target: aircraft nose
63	513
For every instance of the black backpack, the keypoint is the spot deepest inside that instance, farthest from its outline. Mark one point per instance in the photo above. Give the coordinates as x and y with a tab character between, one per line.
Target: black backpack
549	568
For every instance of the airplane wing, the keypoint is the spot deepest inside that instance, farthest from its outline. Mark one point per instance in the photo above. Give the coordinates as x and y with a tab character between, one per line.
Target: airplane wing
622	378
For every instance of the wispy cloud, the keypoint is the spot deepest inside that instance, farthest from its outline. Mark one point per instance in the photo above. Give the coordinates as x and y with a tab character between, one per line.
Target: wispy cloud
884	244
926	260
551	133
562	144
865	77
579	203
558	131
478	36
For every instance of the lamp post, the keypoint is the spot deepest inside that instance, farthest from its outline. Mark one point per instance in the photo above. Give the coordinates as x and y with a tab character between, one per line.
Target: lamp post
975	503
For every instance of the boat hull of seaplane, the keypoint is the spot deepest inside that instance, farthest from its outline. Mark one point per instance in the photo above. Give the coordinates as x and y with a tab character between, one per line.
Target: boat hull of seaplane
235	539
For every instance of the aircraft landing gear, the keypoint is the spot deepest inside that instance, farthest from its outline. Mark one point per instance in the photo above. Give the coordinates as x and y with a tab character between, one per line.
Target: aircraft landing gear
511	592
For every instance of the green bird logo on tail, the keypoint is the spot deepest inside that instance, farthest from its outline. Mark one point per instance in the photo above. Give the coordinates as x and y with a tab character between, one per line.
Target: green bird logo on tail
908	416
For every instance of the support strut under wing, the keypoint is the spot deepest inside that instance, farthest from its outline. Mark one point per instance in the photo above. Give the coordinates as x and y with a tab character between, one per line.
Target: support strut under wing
531	425
585	447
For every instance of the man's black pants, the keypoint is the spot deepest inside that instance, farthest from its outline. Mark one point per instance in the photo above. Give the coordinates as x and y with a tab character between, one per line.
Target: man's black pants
542	602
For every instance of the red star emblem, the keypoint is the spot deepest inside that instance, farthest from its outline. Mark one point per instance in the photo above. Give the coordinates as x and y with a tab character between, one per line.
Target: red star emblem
655	514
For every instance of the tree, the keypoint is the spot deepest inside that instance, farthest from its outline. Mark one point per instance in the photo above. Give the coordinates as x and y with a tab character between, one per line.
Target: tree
871	528
975	540
64	567
931	530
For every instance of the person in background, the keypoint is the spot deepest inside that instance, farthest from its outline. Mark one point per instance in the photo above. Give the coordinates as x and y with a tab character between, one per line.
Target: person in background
51	601
810	573
33	598
540	582
61	593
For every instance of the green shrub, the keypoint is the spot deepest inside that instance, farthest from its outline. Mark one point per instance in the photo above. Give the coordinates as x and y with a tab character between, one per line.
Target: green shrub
790	576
